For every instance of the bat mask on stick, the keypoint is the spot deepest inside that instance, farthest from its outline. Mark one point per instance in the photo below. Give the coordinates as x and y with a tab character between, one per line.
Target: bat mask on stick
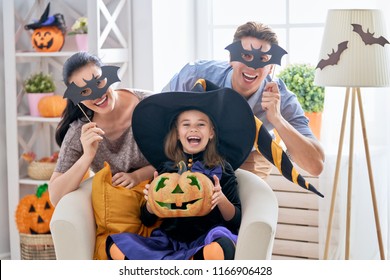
95	87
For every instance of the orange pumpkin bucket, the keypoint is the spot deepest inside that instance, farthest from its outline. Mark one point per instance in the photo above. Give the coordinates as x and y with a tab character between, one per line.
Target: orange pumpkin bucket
48	32
47	39
180	195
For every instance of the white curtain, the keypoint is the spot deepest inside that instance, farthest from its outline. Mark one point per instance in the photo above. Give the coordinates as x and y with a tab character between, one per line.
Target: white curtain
363	237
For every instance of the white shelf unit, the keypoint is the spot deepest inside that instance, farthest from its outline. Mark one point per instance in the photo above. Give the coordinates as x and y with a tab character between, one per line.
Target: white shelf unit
109	37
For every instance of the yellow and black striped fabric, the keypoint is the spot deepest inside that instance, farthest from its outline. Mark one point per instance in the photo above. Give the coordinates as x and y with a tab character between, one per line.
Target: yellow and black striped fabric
273	152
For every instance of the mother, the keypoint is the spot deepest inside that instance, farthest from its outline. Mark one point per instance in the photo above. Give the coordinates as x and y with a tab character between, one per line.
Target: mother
107	137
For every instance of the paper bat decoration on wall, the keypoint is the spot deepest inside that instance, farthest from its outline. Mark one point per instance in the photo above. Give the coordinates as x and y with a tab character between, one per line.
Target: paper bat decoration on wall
93	89
334	57
367	37
254	57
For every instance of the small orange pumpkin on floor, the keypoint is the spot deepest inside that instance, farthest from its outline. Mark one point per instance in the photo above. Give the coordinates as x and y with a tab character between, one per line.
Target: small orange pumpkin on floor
34	212
51	106
180	195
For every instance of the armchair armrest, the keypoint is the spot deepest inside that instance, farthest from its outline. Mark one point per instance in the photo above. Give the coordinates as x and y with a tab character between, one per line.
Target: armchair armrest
73	225
259	217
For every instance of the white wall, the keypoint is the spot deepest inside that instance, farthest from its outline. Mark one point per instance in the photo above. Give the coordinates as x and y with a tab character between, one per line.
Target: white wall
142	44
173	38
163	40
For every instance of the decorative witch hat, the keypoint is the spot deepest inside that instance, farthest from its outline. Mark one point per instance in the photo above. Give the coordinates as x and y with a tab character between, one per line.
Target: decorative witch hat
46	20
236	128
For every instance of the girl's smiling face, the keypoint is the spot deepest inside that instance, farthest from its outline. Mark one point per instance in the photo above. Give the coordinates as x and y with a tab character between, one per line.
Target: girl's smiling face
194	130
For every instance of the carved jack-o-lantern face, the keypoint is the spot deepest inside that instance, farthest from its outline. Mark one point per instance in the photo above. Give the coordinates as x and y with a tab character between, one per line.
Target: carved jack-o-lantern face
185	195
47	39
34	213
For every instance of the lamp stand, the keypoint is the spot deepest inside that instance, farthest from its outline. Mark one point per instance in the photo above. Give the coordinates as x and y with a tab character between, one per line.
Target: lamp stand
355	93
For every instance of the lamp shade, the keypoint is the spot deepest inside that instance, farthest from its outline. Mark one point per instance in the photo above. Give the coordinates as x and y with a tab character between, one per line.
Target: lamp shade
355	50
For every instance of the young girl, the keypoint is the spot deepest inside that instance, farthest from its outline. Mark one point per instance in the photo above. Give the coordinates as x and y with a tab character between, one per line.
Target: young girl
197	128
108	137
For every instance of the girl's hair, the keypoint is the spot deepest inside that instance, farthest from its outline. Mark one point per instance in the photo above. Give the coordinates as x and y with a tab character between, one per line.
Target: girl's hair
174	150
256	30
73	112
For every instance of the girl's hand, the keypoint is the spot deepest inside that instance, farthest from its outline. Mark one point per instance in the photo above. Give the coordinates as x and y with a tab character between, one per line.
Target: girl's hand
127	180
218	195
91	135
146	194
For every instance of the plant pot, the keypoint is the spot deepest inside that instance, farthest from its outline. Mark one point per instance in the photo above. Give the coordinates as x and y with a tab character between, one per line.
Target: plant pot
82	42
33	100
315	121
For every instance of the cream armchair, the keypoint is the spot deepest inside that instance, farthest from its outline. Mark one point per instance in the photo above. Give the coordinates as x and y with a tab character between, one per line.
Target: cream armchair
73	225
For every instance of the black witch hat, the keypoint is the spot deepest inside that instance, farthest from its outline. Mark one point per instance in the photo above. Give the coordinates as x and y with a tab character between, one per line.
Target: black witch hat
46	20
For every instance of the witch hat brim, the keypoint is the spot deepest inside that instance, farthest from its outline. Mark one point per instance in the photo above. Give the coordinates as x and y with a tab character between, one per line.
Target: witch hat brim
230	113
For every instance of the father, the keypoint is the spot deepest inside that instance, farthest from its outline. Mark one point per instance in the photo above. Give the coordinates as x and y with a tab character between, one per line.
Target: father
252	59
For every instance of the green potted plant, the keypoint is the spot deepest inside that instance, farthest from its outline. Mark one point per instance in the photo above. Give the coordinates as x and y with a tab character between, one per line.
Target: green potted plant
38	86
299	78
80	30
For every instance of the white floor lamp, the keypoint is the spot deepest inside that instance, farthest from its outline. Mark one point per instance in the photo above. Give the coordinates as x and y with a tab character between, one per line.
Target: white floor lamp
355	53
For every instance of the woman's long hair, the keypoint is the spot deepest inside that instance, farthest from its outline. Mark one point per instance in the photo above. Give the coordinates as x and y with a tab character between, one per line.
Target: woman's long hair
73	112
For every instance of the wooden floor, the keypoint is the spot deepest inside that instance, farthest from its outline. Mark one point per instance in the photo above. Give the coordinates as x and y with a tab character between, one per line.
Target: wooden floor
297	229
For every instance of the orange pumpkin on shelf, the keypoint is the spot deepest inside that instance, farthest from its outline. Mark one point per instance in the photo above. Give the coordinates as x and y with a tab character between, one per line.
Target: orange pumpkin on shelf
180	195
34	212
51	106
49	32
47	39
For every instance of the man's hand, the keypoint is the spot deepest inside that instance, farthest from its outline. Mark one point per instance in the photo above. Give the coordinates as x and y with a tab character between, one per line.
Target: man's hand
271	103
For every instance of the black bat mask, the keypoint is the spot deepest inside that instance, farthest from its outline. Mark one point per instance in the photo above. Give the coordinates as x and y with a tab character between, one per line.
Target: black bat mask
93	89
255	57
